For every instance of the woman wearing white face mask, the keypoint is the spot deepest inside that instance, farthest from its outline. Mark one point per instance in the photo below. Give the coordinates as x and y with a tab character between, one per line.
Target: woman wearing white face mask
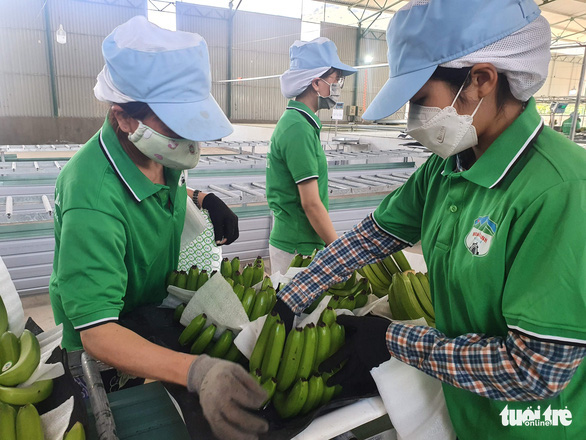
499	210
297	171
120	208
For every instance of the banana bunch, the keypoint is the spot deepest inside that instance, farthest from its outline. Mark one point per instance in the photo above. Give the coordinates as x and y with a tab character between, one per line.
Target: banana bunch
350	294
201	340
192	280
26	424
301	261
380	274
286	366
410	297
250	275
18	360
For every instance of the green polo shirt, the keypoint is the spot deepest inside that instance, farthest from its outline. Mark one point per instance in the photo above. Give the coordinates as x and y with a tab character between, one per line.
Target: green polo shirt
295	155
117	236
504	242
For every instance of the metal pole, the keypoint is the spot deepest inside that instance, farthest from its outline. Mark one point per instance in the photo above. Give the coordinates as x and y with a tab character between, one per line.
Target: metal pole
50	60
229	73
357	63
105	426
578	98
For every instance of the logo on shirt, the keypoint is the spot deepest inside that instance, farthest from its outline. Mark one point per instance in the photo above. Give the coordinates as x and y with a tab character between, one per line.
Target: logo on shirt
480	237
534	417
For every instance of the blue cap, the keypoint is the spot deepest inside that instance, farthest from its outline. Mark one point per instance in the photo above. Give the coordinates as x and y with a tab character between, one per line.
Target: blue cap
423	35
170	71
317	53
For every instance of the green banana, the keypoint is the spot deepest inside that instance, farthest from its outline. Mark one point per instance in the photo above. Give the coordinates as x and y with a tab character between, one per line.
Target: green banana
248	300
202	279
203	340
306	262
291	359
328	316
390	265
381	272
314	394
334	302
235	263
350	281
192	277
270	386
424	280
266	283
260	262
247	274
172	278
289	405
309	351
181	280
272	293
237	277
30	356
76	432
401	261
355	289
324	344
397	310
257	274
316	302
348	302
35	393
374	280
361	300
425	303
178	312
297	261
28	424
406	296
338	337
230	281
7	422
239	291
9	351
261	304
257	375
379	293
328	392
226	268
192	330
261	343
233	354
273	351
222	345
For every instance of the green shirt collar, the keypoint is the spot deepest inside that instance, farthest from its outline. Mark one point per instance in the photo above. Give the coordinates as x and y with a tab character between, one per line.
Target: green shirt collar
131	177
302	108
500	157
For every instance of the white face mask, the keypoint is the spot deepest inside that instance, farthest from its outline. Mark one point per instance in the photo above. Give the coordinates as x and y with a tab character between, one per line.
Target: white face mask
327	102
443	131
178	154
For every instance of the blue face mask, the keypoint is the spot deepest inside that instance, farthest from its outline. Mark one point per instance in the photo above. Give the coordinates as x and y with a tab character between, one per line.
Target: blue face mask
327	102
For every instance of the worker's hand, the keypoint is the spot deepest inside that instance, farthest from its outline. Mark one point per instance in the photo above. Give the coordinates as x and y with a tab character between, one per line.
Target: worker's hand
226	391
364	349
225	222
286	314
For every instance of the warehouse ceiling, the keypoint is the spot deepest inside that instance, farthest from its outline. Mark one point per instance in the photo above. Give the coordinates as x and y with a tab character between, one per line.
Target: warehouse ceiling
566	17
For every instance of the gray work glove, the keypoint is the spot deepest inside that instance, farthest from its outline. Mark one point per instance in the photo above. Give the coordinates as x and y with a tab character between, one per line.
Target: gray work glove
226	391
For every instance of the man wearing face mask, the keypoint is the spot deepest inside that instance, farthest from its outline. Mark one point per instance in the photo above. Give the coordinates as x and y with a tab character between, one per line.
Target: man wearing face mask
499	210
297	171
120	207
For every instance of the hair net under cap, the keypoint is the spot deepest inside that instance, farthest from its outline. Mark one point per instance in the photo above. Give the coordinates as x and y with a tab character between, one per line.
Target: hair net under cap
522	56
427	33
168	70
309	60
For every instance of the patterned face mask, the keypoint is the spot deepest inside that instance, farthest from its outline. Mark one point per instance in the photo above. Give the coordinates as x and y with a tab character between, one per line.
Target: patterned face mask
178	154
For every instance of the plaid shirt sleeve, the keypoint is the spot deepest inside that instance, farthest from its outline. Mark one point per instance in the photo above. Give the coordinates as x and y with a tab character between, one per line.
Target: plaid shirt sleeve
364	244
515	368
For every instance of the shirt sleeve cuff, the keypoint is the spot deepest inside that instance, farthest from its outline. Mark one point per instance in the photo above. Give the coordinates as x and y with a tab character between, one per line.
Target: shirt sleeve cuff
95	318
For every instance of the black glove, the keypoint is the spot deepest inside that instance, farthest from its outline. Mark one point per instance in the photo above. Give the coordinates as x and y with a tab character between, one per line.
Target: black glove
224	220
286	314
364	349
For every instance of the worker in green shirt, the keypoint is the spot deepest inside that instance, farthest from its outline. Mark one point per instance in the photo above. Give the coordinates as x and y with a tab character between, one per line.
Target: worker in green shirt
567	124
297	170
120	208
499	210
